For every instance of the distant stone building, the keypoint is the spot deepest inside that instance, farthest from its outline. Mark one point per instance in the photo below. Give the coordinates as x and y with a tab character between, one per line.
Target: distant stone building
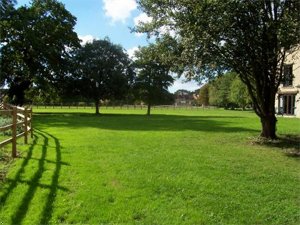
184	98
288	95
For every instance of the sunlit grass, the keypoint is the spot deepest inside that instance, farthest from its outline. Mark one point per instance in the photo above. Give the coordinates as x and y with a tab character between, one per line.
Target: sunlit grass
174	167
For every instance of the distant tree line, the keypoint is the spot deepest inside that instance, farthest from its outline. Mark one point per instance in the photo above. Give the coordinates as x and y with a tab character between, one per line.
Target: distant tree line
226	91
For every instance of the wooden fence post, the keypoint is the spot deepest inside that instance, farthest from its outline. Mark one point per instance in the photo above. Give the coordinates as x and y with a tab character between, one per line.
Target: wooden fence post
25	125
30	123
14	132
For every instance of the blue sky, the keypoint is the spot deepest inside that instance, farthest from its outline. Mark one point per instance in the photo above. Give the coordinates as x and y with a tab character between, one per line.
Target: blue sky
113	19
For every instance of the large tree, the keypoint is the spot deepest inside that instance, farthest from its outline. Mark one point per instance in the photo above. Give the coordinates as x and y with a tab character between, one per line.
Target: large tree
103	71
153	76
250	37
35	42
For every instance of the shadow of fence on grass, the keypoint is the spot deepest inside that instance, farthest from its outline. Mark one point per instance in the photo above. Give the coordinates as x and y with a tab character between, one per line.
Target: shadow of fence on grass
48	208
14	182
34	182
33	185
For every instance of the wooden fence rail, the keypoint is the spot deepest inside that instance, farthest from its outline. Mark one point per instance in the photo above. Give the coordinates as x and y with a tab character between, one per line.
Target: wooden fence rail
119	106
21	117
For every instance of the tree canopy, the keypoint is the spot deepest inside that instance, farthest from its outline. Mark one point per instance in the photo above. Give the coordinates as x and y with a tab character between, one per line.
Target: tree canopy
153	76
250	37
35	45
220	89
103	71
228	91
239	93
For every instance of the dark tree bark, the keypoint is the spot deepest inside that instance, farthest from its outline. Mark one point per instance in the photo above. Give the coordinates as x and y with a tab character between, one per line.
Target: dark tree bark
17	92
148	109
97	107
268	126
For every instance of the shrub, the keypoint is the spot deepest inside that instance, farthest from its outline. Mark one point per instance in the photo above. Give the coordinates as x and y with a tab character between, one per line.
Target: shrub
4	120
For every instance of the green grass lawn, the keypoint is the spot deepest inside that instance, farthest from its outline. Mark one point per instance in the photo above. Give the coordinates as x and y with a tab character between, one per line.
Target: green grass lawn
174	167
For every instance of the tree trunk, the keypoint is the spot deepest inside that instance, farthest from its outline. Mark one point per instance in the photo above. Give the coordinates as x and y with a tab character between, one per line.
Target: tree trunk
97	107
149	109
268	127
16	92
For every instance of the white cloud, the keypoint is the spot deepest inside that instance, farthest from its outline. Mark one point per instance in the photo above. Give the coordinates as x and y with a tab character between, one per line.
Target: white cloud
86	39
139	34
182	84
119	10
131	52
142	18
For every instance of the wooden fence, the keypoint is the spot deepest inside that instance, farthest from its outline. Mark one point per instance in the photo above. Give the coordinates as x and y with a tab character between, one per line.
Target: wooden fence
121	106
21	118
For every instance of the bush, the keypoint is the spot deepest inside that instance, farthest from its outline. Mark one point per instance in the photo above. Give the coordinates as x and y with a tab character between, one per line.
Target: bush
4	120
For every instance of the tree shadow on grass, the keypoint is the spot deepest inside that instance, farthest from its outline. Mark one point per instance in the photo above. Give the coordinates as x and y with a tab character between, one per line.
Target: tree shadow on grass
137	122
289	144
34	182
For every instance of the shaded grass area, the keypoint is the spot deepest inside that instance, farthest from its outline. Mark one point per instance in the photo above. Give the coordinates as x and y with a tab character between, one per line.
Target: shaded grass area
289	143
175	167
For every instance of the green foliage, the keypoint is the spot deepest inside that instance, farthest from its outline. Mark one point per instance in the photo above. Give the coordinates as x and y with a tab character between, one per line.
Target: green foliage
175	167
7	120
39	96
153	76
229	92
239	93
219	90
103	71
35	44
4	120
